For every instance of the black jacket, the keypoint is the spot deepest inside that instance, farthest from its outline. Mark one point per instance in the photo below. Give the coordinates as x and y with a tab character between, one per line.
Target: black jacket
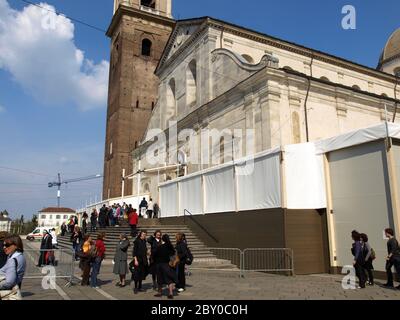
182	250
140	251
46	243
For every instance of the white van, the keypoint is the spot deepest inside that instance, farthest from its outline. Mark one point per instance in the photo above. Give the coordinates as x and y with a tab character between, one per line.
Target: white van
36	234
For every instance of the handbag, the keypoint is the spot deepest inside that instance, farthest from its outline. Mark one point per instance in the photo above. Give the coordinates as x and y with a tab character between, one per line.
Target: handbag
174	261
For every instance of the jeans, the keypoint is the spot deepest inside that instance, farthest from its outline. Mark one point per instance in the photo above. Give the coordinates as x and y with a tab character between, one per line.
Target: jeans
93	226
181	276
96	264
133	230
360	273
389	264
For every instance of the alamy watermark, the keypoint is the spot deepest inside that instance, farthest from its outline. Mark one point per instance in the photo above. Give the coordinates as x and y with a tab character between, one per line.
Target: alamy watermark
349	21
202	147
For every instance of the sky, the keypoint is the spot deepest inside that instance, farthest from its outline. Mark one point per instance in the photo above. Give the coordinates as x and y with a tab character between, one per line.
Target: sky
54	78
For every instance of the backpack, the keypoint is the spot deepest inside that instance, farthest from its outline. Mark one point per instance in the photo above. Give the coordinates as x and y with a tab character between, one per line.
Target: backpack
189	257
373	254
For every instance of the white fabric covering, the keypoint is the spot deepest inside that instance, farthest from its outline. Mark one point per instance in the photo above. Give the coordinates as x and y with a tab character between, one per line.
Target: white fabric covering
357	137
191	195
259	184
219	191
304	176
169	200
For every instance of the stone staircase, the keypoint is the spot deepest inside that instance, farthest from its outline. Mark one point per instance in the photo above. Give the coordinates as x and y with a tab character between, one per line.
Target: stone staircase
203	257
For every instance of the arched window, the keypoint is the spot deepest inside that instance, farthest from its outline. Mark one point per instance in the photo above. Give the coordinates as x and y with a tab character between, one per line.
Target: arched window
325	79
356	87
191	83
146	188
296	127
248	58
384	95
146	47
287	68
171	101
148	3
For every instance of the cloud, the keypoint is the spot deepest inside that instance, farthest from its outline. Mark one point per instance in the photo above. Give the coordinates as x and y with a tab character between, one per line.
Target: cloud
38	49
2	109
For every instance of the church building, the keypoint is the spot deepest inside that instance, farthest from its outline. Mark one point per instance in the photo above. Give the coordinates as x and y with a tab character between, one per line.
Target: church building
189	97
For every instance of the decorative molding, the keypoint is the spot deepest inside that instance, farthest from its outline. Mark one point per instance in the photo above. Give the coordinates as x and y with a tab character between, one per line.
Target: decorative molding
266	60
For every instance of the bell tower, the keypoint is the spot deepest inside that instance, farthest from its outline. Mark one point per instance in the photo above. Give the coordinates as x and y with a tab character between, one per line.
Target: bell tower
139	32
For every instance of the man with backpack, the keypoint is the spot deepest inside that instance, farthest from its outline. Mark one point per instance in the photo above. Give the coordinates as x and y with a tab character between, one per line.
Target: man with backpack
393	258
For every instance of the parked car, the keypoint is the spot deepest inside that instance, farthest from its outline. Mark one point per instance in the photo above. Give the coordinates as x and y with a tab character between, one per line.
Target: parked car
36	234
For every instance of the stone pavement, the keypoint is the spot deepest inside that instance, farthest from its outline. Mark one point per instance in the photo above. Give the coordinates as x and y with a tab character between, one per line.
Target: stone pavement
215	285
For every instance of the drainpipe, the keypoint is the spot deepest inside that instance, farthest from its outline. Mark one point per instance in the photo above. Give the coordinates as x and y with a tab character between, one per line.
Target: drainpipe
306	99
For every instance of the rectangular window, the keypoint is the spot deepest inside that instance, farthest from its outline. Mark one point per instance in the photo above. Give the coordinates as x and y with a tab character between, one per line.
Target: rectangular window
58	217
43	216
65	217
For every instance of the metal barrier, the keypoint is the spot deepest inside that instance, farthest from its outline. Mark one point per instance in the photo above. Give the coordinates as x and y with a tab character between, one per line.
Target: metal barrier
63	261
233	260
268	260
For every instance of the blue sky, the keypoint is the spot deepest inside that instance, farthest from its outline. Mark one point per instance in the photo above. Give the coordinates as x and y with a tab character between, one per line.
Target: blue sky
49	124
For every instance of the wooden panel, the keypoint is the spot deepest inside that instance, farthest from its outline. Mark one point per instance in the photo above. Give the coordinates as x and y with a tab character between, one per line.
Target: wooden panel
306	234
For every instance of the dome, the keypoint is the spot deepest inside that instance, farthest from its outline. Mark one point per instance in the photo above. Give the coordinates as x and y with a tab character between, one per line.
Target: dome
391	51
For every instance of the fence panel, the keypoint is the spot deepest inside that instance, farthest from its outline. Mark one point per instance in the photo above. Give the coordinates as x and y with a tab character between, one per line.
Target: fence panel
63	261
268	260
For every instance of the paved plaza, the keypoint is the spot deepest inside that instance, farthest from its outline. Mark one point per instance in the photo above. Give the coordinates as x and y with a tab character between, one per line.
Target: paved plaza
213	285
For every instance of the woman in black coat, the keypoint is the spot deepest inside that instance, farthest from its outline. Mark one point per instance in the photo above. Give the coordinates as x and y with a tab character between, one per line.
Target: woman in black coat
165	274
140	262
154	241
182	252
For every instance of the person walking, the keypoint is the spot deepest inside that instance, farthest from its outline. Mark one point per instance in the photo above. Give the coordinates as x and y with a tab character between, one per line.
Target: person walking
14	269
154	241
93	221
140	262
84	222
183	253
45	246
156	211
150	209
142	207
86	255
121	260
3	256
54	240
392	259
369	256
102	216
71	225
133	221
96	263
358	262
166	274
76	239
63	229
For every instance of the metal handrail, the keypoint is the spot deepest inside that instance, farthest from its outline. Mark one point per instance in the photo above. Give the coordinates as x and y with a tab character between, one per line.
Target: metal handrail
199	224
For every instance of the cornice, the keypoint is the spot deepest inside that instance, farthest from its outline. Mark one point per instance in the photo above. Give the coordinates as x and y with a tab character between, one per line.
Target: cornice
132	12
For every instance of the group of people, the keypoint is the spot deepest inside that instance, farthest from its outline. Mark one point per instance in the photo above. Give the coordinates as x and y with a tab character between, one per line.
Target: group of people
91	254
12	266
163	260
364	255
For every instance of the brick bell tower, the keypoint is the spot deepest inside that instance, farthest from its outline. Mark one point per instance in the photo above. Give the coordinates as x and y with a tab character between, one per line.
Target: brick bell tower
139	32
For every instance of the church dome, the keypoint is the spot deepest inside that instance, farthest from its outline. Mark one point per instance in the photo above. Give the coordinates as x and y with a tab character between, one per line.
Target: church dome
390	57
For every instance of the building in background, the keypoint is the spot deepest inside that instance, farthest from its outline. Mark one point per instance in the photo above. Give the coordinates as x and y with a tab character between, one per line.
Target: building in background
5	222
54	217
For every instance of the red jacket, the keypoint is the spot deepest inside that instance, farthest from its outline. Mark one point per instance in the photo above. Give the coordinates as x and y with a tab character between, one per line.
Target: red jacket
133	219
101	248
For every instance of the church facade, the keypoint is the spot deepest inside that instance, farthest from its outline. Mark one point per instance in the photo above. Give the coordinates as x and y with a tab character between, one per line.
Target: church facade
218	76
192	95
